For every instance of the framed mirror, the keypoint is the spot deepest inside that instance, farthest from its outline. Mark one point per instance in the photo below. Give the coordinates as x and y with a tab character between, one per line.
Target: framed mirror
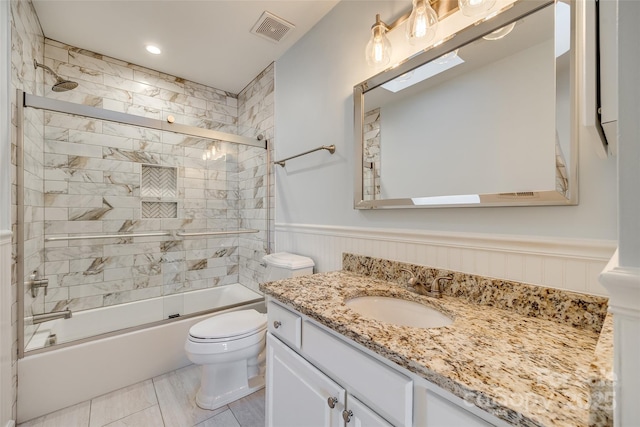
486	118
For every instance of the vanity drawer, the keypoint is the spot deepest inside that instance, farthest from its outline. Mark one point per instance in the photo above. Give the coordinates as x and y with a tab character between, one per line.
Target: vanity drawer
383	389
284	324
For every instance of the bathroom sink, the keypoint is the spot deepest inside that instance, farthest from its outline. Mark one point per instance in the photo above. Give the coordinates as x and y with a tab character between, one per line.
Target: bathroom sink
398	312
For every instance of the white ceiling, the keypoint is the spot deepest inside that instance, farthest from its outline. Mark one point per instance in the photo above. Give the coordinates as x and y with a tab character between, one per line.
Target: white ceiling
206	41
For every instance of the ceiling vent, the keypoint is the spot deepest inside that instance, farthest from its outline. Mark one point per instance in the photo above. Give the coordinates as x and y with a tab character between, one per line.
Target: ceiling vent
272	27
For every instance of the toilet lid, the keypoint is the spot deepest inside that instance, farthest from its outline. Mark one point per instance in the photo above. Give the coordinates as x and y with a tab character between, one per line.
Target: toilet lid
234	324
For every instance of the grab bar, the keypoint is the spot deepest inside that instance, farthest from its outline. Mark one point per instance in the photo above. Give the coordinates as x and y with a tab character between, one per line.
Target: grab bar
107	236
45	317
158	234
215	233
330	148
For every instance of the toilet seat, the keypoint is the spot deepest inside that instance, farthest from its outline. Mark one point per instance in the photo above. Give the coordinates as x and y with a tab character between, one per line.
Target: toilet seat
228	327
214	340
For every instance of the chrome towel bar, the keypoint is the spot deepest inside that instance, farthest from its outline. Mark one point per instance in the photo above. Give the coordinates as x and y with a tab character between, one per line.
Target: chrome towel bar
330	148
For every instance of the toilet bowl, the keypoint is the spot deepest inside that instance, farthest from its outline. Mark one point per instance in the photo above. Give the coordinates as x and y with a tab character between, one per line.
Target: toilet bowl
231	349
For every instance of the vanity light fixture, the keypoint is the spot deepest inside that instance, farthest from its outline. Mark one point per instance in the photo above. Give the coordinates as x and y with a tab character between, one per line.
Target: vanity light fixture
421	27
422	22
153	49
378	51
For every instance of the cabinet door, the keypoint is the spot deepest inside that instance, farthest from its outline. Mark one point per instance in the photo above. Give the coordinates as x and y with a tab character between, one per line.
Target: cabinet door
298	394
359	415
442	413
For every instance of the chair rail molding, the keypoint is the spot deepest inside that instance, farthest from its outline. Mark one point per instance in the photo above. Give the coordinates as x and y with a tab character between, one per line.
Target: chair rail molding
580	248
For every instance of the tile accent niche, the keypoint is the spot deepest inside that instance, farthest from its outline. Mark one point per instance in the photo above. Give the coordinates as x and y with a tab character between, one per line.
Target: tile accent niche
161	183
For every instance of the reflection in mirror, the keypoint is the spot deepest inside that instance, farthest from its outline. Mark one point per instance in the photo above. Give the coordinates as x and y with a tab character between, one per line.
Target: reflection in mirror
486	122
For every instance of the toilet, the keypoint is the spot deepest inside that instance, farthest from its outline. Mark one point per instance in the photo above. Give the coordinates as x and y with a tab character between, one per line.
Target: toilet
231	346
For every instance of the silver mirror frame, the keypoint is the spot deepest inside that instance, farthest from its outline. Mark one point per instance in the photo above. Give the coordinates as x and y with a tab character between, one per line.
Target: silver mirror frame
516	11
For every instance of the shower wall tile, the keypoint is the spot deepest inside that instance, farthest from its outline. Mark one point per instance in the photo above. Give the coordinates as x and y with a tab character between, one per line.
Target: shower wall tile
255	111
93	177
27	44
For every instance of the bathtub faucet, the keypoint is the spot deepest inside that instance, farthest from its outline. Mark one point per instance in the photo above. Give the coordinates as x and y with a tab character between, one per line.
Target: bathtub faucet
45	317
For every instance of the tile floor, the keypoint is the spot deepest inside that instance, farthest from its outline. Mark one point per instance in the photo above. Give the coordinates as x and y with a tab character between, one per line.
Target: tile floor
164	401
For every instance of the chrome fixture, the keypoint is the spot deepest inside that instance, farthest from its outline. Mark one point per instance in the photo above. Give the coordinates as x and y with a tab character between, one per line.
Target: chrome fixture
435	290
421	25
332	402
45	317
35	283
52	339
413	280
330	148
61	85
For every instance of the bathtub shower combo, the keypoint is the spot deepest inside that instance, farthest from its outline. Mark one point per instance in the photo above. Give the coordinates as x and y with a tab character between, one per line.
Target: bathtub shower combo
130	230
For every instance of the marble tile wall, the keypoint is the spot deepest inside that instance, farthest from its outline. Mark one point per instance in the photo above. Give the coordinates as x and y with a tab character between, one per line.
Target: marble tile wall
255	111
371	171
27	44
92	184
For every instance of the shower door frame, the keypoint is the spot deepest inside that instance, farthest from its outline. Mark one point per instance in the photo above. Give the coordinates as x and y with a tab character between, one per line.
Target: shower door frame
24	100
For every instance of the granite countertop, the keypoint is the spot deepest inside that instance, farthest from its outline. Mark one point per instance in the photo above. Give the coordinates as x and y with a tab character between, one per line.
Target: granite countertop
524	370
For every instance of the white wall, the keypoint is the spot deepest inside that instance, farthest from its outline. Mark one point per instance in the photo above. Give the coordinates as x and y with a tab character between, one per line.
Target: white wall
314	106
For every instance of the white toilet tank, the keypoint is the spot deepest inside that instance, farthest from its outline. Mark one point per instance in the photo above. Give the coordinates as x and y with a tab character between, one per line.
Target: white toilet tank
283	265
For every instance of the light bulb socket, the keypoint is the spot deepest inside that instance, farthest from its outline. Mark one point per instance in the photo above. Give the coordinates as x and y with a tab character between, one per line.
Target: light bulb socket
379	25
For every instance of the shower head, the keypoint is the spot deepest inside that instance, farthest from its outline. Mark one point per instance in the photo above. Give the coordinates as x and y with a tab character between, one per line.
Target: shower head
61	85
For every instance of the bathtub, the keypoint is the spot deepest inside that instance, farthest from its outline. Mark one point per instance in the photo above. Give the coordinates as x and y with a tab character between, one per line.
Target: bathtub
61	377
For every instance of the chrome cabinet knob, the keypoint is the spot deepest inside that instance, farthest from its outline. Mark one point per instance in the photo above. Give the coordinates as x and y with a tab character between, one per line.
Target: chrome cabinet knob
346	415
277	324
332	402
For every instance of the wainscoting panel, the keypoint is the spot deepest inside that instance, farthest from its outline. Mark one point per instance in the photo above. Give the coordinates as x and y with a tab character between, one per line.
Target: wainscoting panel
571	264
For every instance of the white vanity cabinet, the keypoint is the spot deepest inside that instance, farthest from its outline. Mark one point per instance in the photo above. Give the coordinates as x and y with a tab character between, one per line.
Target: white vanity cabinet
317	378
298	394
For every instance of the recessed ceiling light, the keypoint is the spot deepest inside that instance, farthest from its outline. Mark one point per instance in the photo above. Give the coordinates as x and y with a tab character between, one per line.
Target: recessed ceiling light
153	49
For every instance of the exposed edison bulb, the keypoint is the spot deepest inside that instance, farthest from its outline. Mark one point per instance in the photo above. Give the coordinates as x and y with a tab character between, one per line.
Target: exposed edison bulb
422	23
378	51
475	7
